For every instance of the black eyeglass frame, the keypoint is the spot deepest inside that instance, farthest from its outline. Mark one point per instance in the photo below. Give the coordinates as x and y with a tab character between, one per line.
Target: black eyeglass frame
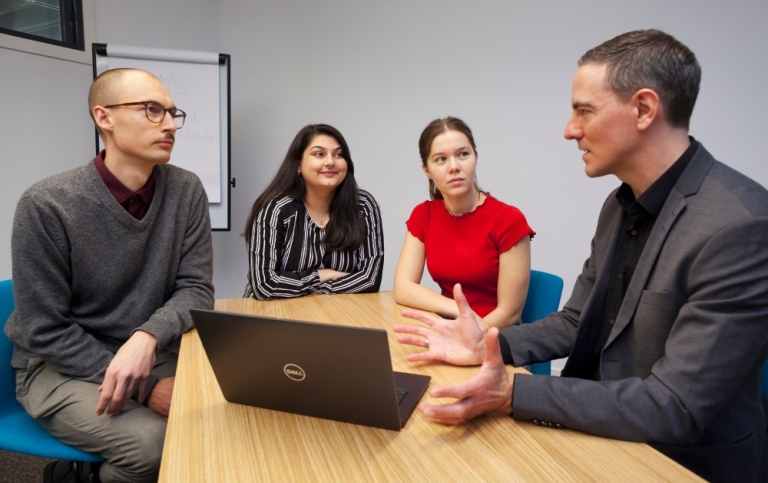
174	112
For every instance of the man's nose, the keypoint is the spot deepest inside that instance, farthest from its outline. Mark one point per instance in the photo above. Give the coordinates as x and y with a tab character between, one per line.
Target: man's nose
572	130
169	123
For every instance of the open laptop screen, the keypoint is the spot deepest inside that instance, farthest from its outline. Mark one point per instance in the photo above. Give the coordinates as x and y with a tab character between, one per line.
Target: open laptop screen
322	370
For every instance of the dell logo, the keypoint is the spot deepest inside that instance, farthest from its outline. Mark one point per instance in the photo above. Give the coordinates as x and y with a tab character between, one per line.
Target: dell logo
294	372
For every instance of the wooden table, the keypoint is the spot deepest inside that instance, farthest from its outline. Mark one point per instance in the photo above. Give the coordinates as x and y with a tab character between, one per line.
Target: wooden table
211	440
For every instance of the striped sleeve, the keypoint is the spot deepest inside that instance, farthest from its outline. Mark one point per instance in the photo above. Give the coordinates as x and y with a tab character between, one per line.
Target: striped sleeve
277	235
365	276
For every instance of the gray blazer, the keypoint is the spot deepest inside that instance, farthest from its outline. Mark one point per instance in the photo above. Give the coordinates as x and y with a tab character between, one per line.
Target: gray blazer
681	367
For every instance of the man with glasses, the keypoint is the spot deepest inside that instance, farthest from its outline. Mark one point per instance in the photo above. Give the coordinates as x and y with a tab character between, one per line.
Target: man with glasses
107	261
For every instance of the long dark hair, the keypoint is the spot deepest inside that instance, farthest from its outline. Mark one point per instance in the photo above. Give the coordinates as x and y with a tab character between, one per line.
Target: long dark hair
428	135
346	229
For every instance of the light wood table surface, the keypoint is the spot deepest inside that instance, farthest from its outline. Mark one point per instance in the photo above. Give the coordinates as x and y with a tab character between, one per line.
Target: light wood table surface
211	440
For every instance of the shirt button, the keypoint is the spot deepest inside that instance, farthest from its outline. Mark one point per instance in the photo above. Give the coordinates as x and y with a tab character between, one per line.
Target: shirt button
633	232
610	322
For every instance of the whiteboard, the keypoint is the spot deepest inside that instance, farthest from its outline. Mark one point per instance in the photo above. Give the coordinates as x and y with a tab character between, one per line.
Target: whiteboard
199	85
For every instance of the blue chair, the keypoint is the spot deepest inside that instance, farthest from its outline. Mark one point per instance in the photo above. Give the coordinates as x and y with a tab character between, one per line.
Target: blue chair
20	433
544	291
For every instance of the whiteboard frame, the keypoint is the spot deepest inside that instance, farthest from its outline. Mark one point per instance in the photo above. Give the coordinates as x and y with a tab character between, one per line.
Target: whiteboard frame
220	213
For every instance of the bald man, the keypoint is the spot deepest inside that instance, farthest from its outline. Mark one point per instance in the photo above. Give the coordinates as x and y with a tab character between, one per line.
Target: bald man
107	260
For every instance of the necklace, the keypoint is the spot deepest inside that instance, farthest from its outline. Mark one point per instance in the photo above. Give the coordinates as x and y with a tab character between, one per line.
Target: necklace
473	208
320	222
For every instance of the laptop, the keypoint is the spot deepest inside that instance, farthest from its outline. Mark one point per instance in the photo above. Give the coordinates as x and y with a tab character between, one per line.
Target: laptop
322	370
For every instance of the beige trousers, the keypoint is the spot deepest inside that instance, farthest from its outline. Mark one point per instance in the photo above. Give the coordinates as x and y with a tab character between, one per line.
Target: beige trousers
131	442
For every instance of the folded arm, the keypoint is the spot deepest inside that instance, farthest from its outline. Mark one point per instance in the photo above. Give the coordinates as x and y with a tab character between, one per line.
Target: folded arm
366	277
266	251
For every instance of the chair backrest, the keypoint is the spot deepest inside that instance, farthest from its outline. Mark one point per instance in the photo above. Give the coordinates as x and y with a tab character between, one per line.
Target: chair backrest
20	433
7	376
544	291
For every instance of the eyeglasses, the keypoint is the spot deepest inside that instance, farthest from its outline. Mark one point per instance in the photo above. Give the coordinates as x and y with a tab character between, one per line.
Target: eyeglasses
156	111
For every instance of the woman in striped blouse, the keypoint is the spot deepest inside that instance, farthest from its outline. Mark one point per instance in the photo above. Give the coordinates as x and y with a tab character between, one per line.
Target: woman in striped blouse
312	230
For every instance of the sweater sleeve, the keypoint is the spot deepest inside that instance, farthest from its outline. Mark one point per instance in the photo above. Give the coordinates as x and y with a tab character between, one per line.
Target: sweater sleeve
266	280
41	324
76	306
193	285
367	277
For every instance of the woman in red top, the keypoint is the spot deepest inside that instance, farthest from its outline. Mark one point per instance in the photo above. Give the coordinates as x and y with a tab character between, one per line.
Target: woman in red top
464	235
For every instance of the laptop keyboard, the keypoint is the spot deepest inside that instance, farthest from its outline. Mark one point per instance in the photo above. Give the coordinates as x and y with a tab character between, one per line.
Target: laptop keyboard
401	393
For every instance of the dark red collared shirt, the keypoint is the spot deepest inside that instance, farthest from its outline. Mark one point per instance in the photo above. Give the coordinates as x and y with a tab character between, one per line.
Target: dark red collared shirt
135	202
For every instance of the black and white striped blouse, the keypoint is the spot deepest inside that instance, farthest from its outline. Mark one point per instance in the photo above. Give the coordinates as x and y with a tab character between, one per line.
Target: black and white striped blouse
286	250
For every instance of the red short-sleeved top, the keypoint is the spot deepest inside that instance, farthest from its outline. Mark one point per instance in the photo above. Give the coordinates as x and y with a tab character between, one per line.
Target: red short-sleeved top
465	249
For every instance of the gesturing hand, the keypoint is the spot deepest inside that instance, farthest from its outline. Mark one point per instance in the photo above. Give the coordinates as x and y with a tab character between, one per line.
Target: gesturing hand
490	390
129	369
456	341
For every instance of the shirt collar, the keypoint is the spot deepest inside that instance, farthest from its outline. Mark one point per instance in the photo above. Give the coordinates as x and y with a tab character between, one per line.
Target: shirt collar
653	199
117	188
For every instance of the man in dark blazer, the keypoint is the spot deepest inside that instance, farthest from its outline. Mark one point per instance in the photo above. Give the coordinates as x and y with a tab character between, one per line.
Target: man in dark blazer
666	330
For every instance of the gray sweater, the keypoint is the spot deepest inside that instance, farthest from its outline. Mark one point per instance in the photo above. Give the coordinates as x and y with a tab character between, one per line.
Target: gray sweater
87	274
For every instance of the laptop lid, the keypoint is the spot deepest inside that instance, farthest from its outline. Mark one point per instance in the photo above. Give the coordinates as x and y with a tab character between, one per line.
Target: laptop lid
322	370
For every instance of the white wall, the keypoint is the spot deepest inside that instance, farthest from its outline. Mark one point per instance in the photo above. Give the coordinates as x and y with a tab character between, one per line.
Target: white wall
380	71
44	128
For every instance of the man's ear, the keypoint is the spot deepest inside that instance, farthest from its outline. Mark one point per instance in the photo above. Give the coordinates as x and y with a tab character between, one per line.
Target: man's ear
103	119
424	168
648	107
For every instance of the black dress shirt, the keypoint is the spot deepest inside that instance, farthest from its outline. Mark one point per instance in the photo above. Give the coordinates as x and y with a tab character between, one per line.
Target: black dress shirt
640	216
